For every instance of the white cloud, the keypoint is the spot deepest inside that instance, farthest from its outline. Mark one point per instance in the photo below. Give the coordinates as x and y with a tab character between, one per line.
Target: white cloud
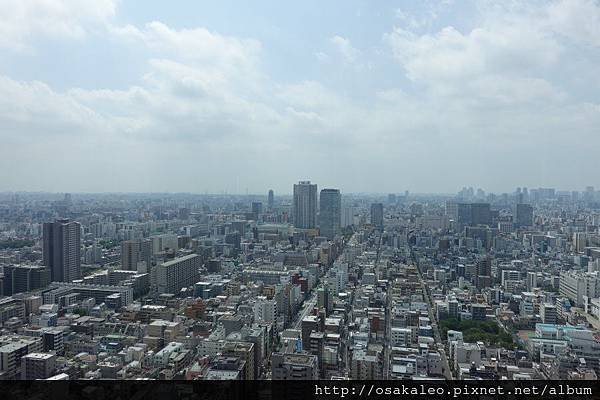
197	45
206	101
25	19
198	87
449	54
33	109
578	20
348	52
506	59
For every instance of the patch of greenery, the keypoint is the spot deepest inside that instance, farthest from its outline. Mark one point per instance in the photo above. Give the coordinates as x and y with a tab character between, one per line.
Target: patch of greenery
15	244
487	331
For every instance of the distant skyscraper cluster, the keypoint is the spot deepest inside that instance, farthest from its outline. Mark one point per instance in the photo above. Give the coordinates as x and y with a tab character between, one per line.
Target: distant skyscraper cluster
327	216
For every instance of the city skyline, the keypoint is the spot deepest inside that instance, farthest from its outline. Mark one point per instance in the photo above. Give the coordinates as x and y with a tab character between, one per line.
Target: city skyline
180	287
290	193
438	93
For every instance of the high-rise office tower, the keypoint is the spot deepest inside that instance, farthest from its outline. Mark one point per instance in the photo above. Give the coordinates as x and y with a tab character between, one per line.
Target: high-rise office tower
304	209
481	214
330	212
257	209
463	213
271	199
135	251
523	215
377	214
62	250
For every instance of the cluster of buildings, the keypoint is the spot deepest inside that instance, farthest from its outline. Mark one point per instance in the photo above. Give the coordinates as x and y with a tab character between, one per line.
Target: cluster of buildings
317	285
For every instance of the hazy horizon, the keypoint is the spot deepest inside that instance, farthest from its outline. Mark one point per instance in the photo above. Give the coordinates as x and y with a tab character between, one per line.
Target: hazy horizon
285	193
368	97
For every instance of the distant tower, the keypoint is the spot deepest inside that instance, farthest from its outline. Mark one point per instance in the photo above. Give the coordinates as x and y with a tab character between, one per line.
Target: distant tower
271	199
519	198
304	210
481	214
523	215
377	215
257	209
62	250
588	195
330	212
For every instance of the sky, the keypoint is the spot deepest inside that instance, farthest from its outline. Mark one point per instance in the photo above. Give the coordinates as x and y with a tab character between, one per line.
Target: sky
360	95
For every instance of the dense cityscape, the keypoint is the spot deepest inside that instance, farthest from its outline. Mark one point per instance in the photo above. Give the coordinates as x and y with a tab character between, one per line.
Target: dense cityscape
316	285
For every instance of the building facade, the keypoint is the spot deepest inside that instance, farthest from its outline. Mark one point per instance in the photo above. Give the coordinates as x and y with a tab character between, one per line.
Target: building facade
330	212
62	250
377	215
134	252
304	205
176	274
